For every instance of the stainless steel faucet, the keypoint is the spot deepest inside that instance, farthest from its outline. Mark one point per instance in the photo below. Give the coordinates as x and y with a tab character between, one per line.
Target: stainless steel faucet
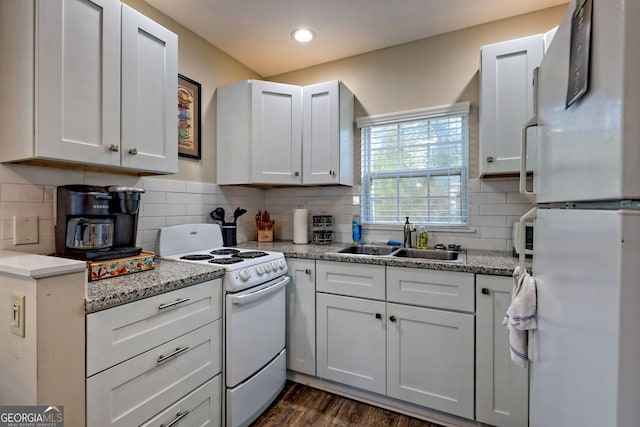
408	229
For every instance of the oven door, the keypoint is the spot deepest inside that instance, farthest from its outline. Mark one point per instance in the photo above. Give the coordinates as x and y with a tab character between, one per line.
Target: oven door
255	329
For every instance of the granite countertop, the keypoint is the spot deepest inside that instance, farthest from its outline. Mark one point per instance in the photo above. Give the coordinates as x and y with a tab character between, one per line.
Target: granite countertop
499	263
166	276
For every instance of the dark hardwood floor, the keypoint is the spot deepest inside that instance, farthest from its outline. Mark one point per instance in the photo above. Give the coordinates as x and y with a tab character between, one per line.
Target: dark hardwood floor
300	405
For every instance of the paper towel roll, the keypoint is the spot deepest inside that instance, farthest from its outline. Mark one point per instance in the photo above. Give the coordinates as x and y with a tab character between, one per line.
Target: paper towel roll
300	226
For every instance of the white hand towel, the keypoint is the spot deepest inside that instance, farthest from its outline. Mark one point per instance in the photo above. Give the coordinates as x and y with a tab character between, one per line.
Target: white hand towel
521	316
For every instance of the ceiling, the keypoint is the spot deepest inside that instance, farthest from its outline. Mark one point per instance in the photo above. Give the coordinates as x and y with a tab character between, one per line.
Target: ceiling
258	32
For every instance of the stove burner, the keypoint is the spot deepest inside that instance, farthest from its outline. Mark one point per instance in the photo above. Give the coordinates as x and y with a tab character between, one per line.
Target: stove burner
225	261
196	257
227	251
252	254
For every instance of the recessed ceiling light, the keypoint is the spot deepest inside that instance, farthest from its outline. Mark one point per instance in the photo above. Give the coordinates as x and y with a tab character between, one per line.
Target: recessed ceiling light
303	35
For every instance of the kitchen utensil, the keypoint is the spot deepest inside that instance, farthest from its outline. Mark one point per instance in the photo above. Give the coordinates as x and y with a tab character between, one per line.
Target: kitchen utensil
238	213
217	214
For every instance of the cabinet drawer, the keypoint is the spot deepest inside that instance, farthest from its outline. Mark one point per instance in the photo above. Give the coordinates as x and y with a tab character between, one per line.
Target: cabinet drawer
356	280
201	407
134	391
431	288
122	332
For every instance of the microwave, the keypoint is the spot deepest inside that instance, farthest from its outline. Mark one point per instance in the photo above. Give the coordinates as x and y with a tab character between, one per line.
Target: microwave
528	239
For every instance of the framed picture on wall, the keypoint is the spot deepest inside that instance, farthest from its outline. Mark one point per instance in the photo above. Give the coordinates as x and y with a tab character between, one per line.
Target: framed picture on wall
188	118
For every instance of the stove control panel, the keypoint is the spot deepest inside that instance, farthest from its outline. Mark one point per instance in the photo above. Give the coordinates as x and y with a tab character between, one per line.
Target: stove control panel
255	275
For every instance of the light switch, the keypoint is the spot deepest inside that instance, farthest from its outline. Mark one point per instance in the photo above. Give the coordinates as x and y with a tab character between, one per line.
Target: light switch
17	314
25	230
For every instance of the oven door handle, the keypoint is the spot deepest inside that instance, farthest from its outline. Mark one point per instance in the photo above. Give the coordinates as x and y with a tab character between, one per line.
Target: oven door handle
250	297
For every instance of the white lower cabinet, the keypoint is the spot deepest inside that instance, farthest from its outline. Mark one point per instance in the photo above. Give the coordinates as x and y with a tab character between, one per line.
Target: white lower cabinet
430	358
351	341
502	388
415	354
301	316
160	359
199	408
430	338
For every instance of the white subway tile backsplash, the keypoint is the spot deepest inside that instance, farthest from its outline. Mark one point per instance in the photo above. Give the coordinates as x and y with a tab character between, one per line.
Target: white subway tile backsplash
28	190
165	209
202	188
151	197
156	184
22	193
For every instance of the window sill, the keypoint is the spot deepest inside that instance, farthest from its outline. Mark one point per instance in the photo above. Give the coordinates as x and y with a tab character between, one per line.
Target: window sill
435	228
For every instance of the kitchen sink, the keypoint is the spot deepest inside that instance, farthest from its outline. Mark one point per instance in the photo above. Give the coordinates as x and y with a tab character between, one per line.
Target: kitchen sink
434	254
367	250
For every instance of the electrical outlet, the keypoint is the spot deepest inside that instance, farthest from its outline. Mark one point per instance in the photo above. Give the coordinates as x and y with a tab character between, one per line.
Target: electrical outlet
25	230
17	314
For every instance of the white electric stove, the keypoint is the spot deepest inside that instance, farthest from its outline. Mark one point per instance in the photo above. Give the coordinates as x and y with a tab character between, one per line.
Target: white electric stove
254	314
202	243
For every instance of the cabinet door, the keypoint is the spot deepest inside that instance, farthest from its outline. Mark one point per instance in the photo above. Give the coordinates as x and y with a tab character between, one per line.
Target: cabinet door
506	101
301	316
78	81
320	144
149	94
357	280
430	358
501	386
450	290
351	341
276	155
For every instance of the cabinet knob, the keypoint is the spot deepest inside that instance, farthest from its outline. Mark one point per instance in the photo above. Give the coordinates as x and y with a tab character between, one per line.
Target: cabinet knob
307	271
485	291
296	174
332	173
133	151
378	316
114	148
490	159
393	319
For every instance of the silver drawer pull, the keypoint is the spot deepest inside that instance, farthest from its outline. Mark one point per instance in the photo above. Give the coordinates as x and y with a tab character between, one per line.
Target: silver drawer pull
171	304
178	351
179	416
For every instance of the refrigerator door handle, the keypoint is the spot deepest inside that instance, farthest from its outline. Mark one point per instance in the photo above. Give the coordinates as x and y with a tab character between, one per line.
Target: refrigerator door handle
531	213
523	159
523	149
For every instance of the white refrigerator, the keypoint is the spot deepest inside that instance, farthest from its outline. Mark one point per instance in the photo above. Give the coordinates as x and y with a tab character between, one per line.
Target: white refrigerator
585	369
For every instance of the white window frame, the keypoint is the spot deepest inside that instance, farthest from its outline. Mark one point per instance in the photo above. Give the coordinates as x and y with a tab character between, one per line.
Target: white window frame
430	113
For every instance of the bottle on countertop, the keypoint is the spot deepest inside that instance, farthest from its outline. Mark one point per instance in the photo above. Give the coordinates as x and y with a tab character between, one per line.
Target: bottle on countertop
356	230
422	238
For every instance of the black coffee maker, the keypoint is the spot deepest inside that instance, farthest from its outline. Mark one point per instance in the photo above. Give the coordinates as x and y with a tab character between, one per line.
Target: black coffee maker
97	223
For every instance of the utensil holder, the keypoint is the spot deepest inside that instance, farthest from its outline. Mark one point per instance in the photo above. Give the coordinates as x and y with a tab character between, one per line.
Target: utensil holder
229	233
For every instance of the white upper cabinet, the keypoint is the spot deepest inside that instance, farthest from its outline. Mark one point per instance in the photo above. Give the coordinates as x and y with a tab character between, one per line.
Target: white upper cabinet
149	94
71	62
279	134
327	134
507	101
259	133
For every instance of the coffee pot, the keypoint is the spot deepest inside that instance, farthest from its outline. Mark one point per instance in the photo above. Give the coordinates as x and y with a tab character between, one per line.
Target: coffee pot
96	223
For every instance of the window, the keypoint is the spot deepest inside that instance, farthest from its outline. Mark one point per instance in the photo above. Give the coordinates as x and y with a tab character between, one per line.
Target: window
415	164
